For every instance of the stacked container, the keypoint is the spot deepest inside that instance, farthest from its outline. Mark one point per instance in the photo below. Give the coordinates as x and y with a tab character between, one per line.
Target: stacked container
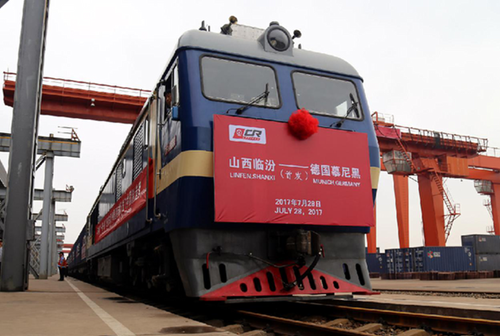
408	255
487	251
400	260
376	262
444	259
428	259
391	258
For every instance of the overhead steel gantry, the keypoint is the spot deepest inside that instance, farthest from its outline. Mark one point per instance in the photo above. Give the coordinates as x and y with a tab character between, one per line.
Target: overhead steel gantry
84	100
405	151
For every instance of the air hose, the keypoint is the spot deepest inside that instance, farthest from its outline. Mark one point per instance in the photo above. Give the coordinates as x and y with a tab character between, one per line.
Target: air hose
290	285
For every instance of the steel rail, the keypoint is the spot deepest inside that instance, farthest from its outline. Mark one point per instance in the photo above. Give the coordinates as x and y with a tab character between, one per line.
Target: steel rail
286	326
441	323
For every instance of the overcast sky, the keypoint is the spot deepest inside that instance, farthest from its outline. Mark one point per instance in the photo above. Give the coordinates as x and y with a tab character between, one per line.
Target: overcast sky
431	64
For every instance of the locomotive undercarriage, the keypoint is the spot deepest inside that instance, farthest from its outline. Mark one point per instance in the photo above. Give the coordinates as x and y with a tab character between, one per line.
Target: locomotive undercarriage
231	264
145	263
152	265
218	265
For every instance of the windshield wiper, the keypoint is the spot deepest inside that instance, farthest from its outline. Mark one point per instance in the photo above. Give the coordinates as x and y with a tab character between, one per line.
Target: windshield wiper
354	106
254	102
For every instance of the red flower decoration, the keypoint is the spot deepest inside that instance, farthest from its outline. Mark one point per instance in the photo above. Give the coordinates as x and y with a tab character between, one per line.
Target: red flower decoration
302	124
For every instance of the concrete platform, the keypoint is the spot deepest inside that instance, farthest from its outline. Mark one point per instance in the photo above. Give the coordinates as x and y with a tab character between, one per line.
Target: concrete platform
72	307
469	285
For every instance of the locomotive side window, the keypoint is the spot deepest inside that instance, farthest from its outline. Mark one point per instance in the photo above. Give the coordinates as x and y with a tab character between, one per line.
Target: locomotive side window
170	92
175	87
128	168
238	82
108	197
325	95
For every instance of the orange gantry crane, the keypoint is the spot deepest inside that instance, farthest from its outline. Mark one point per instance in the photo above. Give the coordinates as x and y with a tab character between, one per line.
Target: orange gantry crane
432	156
405	151
83	100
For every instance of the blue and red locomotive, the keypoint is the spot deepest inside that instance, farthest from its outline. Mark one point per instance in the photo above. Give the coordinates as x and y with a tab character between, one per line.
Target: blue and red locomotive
250	173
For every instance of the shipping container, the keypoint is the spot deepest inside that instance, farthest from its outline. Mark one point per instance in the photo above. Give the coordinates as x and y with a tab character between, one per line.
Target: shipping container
376	262
409	262
389	259
482	244
400	260
487	262
394	260
444	259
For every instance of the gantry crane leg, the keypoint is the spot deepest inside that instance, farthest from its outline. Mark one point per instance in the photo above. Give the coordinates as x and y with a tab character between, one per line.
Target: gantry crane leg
402	209
431	204
495	207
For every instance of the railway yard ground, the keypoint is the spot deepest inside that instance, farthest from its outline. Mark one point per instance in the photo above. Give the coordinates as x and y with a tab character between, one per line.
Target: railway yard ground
73	307
404	307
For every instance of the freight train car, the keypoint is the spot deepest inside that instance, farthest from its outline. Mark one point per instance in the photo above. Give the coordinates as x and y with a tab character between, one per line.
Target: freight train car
250	173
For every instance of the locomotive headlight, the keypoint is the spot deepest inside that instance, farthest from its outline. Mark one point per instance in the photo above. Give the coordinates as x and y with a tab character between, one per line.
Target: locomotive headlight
278	39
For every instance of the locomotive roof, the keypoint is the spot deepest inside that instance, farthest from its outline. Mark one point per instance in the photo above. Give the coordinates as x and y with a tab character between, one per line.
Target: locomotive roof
252	48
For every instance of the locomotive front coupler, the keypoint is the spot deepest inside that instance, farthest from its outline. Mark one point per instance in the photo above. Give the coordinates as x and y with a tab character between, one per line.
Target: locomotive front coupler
296	245
302	243
293	244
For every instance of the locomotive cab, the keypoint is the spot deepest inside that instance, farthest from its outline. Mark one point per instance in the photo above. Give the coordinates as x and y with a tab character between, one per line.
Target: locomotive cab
234	251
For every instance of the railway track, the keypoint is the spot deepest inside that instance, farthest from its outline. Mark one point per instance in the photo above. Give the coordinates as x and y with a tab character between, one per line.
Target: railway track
333	317
349	318
431	319
284	326
379	320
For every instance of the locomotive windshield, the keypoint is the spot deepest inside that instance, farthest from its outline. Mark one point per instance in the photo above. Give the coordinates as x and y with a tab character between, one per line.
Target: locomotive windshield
325	95
238	82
